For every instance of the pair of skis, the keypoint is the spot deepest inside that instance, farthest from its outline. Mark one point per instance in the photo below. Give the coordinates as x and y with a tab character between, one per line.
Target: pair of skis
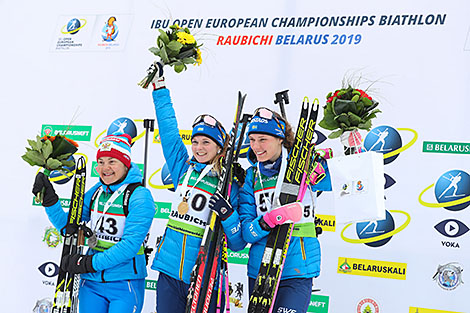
267	282
66	293
204	273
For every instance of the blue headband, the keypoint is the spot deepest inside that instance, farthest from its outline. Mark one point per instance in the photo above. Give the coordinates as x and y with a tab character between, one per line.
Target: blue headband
215	133
267	126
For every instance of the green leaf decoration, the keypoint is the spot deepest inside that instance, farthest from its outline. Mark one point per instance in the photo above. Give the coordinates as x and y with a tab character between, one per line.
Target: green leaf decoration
366	125
354	120
355	98
164	37
155	51
63	156
343	118
67	163
366	101
341	106
164	56
179	67
189	61
335	134
34	157
174	47
53	164
46	149
329	95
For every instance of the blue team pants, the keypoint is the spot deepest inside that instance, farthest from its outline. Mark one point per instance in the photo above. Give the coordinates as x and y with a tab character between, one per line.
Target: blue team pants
124	296
172	295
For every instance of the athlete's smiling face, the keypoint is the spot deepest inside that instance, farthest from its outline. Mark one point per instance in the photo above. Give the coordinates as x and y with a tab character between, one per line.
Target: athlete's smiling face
265	147
204	149
110	170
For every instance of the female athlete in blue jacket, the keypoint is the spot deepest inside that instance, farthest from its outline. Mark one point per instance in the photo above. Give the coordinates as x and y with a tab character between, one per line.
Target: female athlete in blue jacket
114	270
196	179
270	137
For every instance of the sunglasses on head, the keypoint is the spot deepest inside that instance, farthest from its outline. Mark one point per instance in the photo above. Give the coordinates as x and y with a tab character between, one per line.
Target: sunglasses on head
269	115
209	120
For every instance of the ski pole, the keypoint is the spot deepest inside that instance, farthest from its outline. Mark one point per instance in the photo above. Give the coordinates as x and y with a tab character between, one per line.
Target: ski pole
149	126
282	98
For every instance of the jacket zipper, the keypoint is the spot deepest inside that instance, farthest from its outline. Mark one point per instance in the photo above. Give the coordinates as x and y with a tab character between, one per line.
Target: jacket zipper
302	247
161	244
182	256
135	266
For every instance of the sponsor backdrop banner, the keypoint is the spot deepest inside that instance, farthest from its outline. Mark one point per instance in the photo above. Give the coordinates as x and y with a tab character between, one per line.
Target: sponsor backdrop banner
73	68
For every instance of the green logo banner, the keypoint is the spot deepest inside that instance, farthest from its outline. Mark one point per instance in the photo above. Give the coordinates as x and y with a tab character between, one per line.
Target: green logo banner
239	257
150	284
163	210
446	147
65	203
74	132
318	304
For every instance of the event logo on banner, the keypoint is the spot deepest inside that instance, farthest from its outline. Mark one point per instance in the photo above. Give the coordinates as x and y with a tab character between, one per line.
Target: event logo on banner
74	132
163	210
150	284
166	180
91	33
372	268
52	237
451	190
43	306
304	22
367	305
185	136
446	147
423	310
318	304
49	269
236	294
449	276
326	222
451	228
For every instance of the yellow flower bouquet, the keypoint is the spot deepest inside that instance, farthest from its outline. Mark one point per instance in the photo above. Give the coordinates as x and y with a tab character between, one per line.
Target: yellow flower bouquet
175	47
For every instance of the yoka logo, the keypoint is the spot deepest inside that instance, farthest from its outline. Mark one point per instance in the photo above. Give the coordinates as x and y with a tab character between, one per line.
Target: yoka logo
49	269
451	228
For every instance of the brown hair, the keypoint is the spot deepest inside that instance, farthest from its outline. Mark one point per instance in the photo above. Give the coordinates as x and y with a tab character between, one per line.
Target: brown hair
288	141
217	160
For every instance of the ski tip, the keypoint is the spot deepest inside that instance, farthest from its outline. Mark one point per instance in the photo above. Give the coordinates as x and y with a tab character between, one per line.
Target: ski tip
316	103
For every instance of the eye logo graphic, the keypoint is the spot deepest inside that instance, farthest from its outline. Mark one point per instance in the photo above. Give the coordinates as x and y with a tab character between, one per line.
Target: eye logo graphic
110	30
452	191
73	26
376	233
49	269
387	140
451	228
389	181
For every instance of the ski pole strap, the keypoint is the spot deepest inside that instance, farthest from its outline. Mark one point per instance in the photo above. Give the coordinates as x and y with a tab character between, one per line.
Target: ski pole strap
317	174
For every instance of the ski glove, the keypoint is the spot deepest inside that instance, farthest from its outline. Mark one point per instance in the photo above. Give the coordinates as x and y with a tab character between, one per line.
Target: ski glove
158	80
50	197
288	213
220	205
77	264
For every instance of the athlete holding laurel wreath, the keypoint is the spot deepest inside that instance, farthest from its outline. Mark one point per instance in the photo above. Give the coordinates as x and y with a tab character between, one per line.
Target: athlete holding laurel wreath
196	178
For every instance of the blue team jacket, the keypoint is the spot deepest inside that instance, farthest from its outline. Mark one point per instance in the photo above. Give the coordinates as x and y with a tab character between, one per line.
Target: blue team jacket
303	257
177	252
120	262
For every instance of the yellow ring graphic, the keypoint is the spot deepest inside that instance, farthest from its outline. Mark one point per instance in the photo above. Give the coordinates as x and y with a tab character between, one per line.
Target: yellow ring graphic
378	238
75	30
442	204
409	144
158	186
133	139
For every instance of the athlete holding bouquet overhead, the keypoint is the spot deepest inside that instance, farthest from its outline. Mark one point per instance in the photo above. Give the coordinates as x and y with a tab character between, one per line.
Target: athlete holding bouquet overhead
196	178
